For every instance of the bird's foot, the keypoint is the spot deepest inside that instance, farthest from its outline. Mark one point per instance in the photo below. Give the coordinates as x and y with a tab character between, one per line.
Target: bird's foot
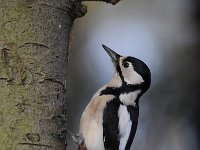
77	138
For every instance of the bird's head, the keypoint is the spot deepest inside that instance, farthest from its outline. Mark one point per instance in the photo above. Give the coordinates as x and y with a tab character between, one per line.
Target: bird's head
132	71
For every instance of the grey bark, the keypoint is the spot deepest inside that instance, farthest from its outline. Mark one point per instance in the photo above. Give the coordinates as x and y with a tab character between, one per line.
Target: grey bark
34	43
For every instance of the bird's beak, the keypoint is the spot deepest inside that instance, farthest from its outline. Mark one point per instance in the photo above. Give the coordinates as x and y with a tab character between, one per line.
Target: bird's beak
114	56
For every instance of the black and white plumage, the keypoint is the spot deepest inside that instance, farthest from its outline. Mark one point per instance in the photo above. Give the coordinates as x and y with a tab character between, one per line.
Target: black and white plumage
110	120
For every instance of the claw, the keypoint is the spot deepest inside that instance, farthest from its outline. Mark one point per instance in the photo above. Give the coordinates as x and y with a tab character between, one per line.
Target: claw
77	138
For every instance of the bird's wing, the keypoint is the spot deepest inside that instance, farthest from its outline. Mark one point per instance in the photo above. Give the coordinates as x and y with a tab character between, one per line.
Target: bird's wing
116	138
110	126
134	114
92	120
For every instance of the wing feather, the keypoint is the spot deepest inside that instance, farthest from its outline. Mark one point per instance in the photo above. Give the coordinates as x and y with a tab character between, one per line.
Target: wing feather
110	125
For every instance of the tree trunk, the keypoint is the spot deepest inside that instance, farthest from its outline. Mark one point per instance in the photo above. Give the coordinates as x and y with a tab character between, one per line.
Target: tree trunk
34	41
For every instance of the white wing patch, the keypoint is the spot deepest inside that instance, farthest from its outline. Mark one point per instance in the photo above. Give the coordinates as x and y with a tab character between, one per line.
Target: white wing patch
129	98
125	124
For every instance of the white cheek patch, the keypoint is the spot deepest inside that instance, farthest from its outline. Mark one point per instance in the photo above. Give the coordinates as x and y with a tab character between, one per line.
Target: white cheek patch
129	74
129	98
125	124
132	77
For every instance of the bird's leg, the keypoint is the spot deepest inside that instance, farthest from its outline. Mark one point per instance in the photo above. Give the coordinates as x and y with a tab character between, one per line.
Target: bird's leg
77	138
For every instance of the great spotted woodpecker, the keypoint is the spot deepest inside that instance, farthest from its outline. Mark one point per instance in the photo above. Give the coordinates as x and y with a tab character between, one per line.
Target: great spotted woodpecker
110	120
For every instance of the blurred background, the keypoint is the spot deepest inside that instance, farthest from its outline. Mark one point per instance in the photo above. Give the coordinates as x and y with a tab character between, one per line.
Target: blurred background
165	35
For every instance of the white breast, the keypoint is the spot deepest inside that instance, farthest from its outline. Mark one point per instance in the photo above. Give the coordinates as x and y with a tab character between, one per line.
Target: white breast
125	124
129	98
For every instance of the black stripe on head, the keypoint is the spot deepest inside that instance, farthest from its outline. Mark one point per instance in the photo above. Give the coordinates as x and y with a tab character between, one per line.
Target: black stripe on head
119	71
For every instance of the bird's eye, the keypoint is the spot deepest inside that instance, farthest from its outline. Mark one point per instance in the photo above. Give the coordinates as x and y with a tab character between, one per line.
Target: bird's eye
126	64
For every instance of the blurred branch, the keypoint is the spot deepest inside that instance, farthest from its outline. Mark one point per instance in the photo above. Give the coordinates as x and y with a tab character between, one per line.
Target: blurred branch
107	1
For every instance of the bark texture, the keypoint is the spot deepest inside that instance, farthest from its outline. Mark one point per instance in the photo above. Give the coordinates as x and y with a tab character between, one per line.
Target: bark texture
34	41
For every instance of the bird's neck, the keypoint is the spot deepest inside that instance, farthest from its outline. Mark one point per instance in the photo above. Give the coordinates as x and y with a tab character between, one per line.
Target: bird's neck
127	94
116	81
131	98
